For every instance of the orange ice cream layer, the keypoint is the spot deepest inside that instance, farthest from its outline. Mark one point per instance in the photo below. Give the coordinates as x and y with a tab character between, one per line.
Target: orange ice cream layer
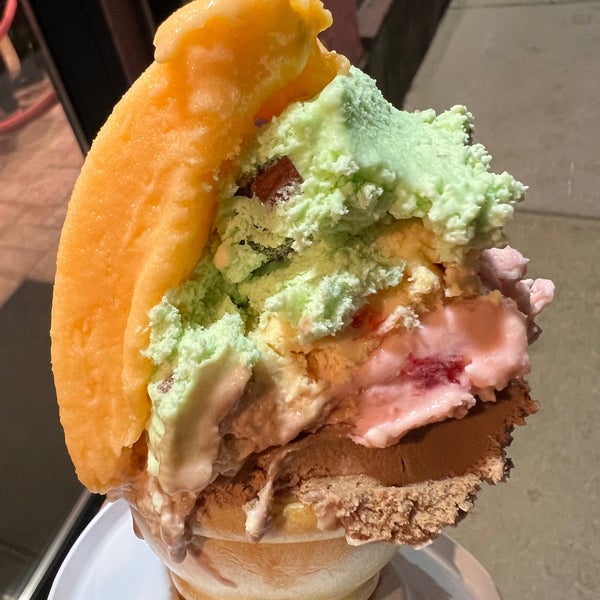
142	207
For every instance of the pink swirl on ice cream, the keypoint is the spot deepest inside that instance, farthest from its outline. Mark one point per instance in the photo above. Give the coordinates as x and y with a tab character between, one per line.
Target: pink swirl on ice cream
504	270
433	372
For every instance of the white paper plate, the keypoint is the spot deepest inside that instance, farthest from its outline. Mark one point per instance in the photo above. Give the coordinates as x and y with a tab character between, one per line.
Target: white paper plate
109	561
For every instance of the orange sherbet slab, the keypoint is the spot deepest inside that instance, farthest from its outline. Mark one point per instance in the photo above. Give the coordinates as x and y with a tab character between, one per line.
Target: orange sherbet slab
142	208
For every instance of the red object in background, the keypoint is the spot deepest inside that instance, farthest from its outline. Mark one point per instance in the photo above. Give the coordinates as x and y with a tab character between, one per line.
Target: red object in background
7	18
343	36
40	106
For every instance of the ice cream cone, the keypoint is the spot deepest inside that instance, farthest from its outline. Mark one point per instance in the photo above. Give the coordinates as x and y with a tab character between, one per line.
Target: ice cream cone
309	345
295	560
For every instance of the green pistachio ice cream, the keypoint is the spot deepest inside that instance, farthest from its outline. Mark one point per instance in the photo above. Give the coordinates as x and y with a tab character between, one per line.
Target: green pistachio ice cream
345	285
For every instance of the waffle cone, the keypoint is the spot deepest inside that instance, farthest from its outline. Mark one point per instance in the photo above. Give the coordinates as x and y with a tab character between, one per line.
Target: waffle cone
296	560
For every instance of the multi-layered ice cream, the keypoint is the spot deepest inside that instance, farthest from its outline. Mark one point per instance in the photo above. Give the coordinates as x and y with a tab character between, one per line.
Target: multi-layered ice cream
343	332
347	286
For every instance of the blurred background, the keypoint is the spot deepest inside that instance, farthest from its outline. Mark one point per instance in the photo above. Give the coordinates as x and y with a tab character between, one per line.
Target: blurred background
528	70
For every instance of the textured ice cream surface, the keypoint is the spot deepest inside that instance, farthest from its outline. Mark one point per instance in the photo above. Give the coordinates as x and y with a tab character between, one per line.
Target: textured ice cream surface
350	281
363	162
